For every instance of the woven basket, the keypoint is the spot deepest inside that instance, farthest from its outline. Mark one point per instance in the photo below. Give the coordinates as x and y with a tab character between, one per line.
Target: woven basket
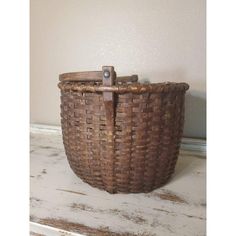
120	135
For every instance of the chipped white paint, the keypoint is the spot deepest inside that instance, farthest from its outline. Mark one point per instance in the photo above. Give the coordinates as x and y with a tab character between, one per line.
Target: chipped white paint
39	229
178	208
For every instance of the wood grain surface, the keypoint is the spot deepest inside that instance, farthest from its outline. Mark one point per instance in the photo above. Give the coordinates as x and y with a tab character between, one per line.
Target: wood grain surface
64	202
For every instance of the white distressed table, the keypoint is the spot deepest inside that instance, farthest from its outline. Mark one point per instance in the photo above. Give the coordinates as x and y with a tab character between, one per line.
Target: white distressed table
62	204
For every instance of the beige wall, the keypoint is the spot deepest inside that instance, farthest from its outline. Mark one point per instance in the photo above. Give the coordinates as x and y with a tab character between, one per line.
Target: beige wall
160	40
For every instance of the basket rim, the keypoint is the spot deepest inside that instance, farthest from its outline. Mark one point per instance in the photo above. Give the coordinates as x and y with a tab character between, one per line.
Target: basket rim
75	86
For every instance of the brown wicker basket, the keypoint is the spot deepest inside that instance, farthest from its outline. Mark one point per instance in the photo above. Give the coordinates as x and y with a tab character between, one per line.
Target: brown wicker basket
120	135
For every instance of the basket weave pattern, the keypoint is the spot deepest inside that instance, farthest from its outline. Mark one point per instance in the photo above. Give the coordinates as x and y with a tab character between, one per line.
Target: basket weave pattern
140	152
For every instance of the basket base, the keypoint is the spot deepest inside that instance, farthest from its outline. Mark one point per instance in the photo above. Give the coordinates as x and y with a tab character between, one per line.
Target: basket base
127	189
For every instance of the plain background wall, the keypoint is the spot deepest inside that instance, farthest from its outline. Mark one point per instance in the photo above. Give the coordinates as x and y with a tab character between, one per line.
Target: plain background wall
160	40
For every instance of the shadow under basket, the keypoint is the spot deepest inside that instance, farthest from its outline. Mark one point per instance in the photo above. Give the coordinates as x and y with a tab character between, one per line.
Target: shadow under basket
120	135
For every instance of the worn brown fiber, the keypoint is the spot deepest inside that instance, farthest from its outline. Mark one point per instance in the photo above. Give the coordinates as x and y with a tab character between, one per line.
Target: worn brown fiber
121	135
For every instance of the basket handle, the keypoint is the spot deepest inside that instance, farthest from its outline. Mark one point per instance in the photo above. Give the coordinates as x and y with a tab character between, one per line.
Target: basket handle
108	79
93	76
